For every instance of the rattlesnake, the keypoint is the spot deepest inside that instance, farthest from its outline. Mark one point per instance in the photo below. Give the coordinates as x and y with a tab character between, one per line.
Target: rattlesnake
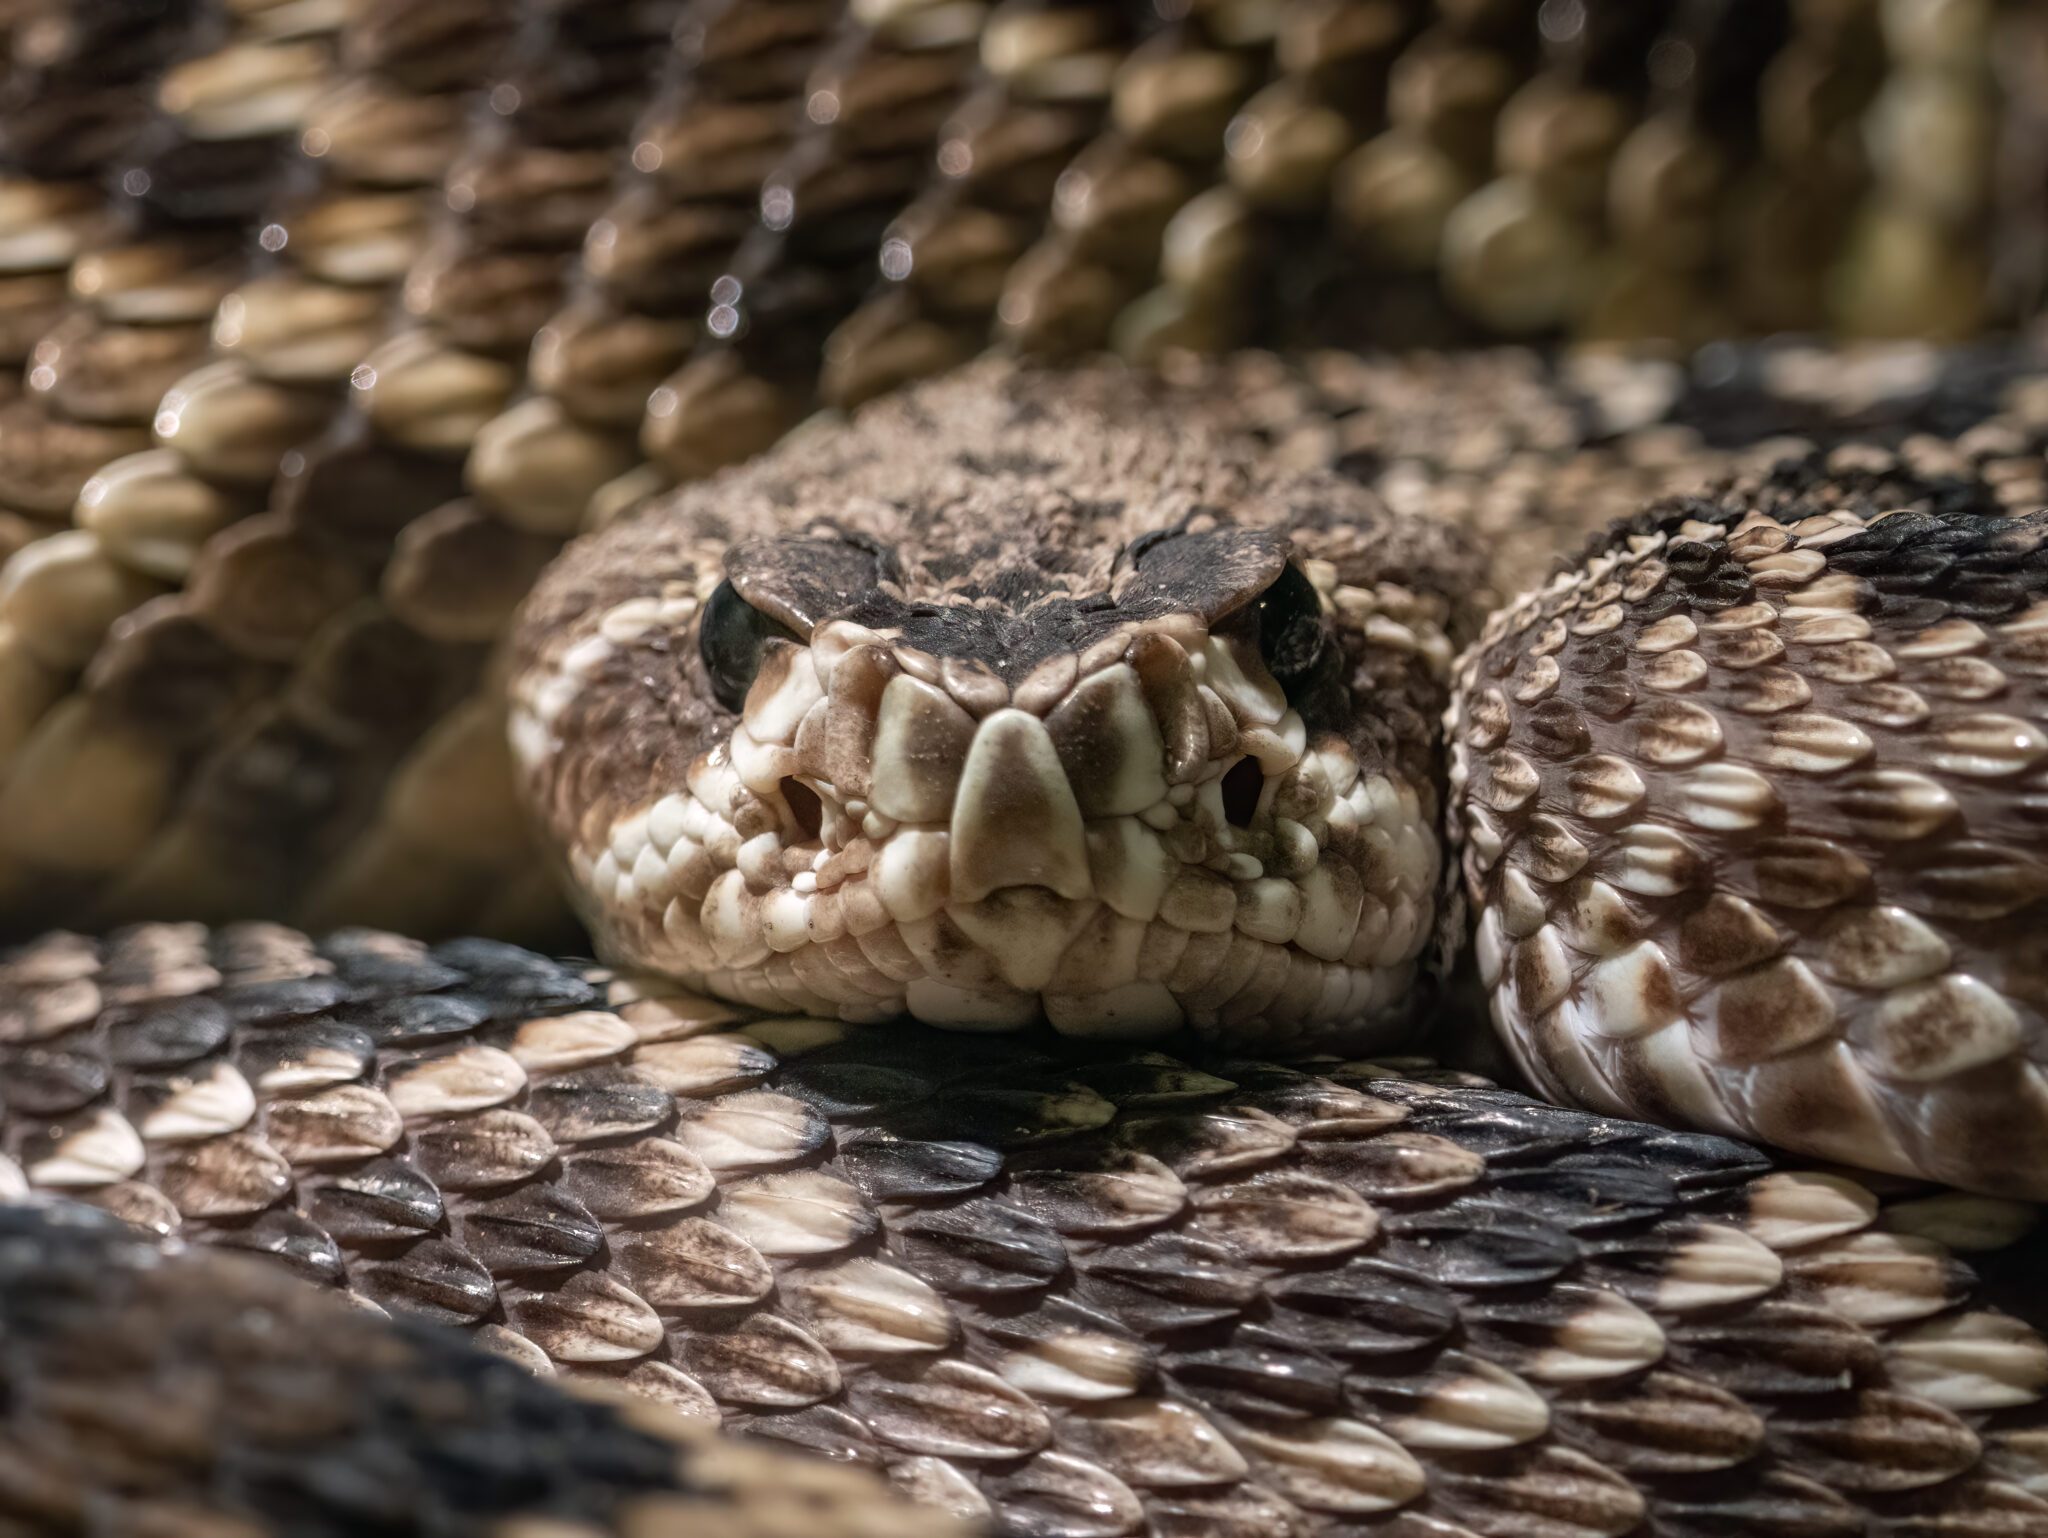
893	718
1163	732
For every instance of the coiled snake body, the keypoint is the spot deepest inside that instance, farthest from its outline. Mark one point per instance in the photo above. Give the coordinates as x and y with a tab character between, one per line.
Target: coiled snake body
1048	695
1021	827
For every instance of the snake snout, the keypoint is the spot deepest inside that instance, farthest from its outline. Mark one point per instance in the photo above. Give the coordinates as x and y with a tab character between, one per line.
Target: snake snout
1130	839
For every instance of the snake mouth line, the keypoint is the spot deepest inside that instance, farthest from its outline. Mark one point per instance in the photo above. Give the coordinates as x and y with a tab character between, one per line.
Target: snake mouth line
1134	839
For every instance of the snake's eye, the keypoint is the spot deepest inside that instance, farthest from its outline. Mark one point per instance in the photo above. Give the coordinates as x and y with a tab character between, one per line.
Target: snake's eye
1290	627
731	638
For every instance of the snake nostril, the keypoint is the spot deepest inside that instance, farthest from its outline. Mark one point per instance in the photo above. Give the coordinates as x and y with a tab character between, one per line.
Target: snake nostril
1242	783
804	806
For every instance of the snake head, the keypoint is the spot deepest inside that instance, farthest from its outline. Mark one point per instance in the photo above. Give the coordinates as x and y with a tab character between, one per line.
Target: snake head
999	707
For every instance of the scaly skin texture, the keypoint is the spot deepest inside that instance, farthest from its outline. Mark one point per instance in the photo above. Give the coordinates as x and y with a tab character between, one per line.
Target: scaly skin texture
1060	176
1753	806
1056	1287
199	1392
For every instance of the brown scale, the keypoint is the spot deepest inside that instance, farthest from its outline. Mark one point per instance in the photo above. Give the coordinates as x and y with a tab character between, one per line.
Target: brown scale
144	272
1040	93
442	814
405	630
1627	139
874	105
1115	201
1391	196
188	1392
2021	53
292	590
1750	808
75	93
1082	1292
146	269
1259	252
343	226
731	104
